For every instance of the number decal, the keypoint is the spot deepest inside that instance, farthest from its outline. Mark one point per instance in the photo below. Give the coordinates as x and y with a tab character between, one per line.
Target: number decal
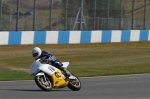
51	69
57	74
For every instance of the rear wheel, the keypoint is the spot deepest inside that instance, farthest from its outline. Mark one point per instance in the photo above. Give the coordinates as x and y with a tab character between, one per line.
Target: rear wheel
74	84
43	82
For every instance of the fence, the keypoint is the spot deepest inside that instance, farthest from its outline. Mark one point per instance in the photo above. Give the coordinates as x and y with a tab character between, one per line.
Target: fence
48	15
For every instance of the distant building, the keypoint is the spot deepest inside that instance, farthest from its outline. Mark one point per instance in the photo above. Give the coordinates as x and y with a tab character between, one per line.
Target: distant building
28	13
20	15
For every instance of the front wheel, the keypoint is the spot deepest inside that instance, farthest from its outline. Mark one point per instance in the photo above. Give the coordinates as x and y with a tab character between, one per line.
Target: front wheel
74	84
43	82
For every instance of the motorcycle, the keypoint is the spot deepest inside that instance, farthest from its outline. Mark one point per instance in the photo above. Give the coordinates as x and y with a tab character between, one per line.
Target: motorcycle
47	77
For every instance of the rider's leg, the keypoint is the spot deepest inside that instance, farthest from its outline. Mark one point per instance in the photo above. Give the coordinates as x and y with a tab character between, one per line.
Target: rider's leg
58	65
65	71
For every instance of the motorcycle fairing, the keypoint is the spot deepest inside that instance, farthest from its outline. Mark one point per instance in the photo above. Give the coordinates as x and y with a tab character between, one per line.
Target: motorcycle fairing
38	66
56	75
65	64
58	79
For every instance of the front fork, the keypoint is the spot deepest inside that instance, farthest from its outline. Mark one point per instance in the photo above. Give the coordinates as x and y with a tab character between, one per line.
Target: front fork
44	81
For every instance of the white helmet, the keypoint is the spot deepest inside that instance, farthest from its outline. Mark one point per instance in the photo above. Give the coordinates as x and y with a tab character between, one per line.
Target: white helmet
36	52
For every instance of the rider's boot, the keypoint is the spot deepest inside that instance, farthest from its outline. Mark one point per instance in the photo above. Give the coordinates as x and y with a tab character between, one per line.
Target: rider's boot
59	65
67	74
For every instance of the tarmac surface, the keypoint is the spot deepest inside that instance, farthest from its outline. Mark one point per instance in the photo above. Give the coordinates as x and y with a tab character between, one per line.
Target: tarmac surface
104	87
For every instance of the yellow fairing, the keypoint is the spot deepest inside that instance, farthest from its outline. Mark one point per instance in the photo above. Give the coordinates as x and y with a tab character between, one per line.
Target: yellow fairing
58	80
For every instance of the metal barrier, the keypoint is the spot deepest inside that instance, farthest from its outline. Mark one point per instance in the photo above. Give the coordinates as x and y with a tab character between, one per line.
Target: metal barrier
72	37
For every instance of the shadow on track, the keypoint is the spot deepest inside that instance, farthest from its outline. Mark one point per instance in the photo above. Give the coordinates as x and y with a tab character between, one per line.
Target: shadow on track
34	90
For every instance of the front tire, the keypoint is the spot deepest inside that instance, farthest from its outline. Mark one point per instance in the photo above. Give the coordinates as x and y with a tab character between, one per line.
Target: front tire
74	84
43	82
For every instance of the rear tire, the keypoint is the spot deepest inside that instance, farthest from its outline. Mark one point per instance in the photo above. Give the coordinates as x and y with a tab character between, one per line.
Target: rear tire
74	84
41	83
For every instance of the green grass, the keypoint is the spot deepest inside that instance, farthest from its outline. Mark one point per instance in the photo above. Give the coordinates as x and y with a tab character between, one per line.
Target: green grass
99	59
7	74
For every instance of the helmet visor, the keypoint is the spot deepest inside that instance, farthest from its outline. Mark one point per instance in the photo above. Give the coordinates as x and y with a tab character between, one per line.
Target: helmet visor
35	54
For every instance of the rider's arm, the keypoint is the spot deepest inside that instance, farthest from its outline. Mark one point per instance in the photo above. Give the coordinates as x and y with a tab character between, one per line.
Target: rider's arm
47	57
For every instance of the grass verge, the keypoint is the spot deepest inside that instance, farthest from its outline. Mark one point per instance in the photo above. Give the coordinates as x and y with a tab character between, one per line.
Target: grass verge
99	59
7	75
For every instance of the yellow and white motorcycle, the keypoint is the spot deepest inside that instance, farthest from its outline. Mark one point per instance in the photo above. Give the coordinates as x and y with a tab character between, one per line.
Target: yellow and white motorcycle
47	77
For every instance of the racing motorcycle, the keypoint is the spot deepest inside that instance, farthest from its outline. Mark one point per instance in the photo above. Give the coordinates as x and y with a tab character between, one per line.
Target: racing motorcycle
47	76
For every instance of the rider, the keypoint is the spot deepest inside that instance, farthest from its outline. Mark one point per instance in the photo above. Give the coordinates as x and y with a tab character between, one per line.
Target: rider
48	58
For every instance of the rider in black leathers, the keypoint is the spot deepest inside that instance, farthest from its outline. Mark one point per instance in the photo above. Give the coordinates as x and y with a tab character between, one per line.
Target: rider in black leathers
48	58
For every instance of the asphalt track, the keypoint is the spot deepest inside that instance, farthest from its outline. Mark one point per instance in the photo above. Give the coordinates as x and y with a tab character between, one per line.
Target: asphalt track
106	87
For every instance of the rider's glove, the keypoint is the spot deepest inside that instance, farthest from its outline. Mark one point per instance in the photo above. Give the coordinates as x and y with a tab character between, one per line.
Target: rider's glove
58	64
46	61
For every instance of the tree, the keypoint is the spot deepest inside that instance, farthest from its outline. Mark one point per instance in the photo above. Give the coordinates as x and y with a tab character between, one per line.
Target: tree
6	12
6	9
